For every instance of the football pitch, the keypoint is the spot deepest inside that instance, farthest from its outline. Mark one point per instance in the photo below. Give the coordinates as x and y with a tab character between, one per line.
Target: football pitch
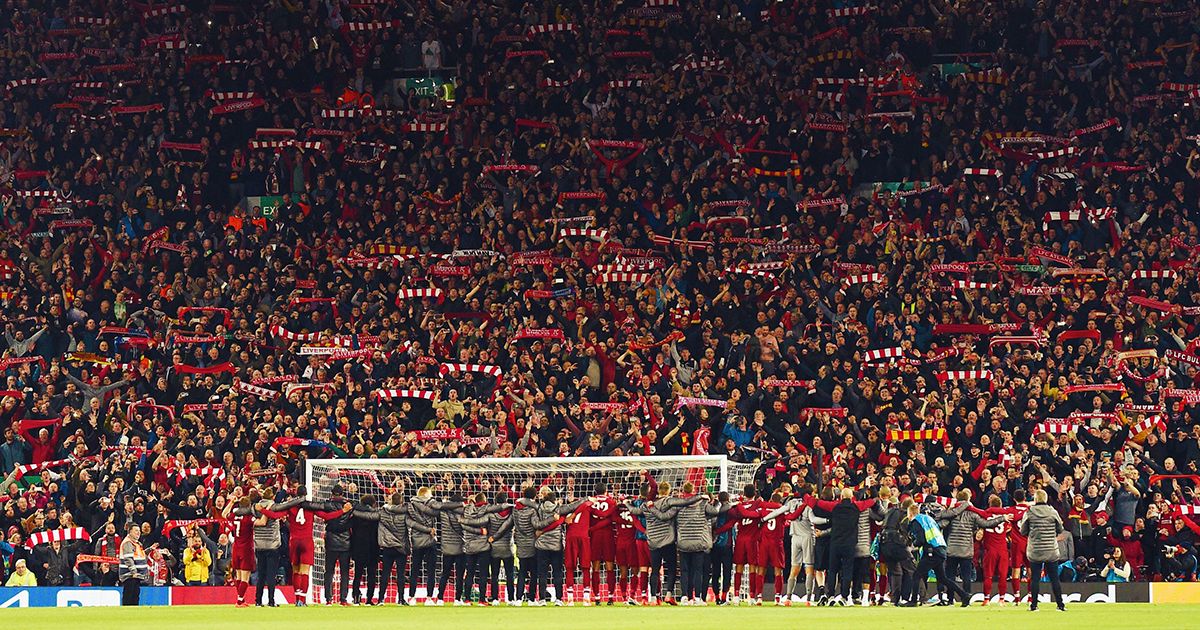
1091	616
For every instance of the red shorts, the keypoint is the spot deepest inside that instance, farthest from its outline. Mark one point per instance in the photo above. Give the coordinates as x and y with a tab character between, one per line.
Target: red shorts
300	552
745	552
1016	555
577	552
242	560
995	562
604	547
770	554
634	555
626	553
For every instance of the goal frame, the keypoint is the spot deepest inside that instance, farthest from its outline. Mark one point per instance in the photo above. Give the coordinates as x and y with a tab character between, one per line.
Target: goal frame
551	463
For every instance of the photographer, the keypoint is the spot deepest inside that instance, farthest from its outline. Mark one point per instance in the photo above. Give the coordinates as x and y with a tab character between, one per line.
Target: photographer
1179	551
196	562
1116	567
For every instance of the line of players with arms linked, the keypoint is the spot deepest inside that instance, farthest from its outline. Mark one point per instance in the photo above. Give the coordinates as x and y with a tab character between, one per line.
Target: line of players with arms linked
640	545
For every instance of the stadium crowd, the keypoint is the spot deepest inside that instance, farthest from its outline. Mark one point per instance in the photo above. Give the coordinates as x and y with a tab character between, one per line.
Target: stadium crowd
908	250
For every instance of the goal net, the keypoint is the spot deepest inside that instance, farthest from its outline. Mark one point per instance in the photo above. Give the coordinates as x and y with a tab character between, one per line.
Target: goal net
571	478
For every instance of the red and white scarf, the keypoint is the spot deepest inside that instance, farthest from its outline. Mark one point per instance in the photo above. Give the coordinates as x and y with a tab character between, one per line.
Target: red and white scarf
172	525
57	535
984	172
1149	423
408	294
864	278
540	333
29	469
776	382
208	473
260	392
1094	387
285	334
490	370
958	375
388	394
619	276
594	234
883	353
1055	427
691	401
437	434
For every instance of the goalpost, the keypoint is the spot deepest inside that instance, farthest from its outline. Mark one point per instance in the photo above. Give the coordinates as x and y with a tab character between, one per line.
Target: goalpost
570	477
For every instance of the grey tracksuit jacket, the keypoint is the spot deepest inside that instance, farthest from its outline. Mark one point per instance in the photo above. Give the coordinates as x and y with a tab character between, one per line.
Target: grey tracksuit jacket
660	520
500	527
962	524
547	513
1042	525
693	525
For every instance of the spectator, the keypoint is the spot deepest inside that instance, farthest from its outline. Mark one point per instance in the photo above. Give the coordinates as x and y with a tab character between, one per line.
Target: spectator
824	258
134	567
196	561
55	562
21	575
1117	568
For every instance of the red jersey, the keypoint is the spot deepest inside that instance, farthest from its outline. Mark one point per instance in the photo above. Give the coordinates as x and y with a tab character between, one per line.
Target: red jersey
300	523
995	539
771	532
579	522
1014	532
626	525
747	515
243	534
604	517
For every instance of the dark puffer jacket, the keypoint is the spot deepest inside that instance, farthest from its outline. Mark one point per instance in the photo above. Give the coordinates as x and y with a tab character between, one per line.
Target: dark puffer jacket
393	528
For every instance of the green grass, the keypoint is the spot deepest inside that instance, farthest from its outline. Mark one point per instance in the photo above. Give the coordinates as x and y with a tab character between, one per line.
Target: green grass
1090	616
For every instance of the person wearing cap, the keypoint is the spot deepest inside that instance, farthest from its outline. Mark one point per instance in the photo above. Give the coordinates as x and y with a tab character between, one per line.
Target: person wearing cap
21	575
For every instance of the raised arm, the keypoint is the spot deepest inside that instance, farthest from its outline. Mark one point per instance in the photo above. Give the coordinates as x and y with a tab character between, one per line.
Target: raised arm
717	510
287	505
790	506
567	508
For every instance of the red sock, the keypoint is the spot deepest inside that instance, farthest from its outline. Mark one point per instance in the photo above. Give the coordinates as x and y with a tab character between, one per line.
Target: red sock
588	580
643	584
1016	587
241	590
570	580
1002	585
778	583
302	586
610	578
737	584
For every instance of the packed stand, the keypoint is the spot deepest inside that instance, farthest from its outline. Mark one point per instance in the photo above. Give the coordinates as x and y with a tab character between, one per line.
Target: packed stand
937	246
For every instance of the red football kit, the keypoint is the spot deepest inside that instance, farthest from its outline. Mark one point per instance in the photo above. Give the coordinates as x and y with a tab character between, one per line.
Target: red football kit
770	538
745	547
995	551
243	544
